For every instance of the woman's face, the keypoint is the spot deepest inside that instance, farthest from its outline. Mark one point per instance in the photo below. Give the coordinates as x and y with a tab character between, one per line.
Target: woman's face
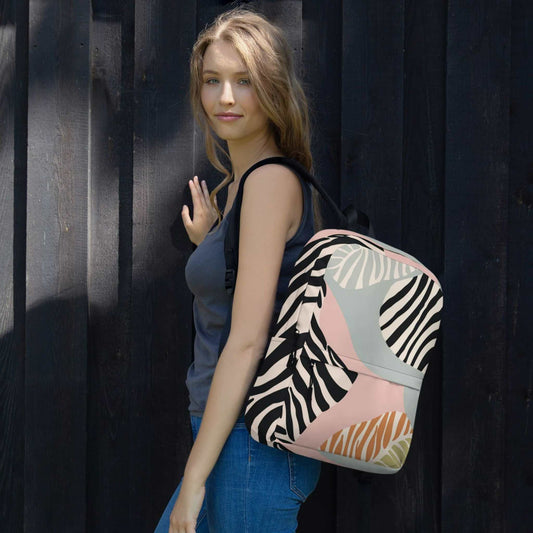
228	98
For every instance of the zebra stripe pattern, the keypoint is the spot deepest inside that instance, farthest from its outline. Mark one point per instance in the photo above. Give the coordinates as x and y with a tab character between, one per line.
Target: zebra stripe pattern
296	386
410	319
301	377
307	287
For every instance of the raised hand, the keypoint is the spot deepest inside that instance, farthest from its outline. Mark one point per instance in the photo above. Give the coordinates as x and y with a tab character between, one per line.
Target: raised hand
204	215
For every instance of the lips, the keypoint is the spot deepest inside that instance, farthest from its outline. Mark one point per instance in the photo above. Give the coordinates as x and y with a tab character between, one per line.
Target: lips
227	117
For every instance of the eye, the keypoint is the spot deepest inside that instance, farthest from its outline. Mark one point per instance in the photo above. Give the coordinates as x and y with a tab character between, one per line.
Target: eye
244	81
210	81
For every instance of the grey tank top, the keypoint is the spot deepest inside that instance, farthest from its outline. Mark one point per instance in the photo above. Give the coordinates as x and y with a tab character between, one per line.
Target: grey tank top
204	273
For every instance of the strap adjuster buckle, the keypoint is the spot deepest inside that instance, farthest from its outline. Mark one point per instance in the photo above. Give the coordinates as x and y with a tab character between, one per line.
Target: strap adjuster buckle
229	280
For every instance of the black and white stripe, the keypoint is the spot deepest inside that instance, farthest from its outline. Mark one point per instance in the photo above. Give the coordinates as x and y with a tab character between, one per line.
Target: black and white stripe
410	319
300	376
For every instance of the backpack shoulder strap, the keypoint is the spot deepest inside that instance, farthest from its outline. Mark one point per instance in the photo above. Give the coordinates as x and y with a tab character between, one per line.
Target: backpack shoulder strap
350	219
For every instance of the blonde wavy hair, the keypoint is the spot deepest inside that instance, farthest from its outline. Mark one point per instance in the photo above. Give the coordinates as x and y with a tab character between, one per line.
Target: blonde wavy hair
268	60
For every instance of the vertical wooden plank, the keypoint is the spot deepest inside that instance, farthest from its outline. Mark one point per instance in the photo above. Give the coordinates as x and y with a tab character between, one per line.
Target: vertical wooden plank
109	266
424	125
13	107
321	77
372	112
56	303
476	200
161	301
287	14
417	493
372	159
518	480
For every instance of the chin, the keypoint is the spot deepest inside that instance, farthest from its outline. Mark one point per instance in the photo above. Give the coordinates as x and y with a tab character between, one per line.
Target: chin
228	136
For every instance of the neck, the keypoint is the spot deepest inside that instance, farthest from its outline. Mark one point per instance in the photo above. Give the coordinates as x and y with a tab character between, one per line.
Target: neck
244	154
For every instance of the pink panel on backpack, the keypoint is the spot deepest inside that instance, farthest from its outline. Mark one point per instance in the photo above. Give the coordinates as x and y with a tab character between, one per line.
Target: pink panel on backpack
369	397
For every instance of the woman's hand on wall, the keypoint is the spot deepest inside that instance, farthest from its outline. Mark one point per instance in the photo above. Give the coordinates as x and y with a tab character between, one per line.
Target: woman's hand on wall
204	215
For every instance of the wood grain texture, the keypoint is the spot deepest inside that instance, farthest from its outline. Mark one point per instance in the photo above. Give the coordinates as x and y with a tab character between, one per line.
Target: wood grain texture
421	117
422	225
476	230
518	478
371	178
372	113
109	271
56	303
161	300
322	82
12	238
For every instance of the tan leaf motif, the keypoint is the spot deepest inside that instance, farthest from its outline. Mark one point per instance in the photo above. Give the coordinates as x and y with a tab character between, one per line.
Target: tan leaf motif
395	457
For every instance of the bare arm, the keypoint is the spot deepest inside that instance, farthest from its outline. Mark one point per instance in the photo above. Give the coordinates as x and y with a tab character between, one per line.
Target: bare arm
271	210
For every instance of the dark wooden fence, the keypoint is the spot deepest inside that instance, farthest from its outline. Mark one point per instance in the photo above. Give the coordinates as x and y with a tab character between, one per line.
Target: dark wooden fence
422	113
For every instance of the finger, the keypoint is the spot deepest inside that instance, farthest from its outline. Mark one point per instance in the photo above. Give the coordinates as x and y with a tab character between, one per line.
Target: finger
208	199
206	192
197	197
185	216
202	186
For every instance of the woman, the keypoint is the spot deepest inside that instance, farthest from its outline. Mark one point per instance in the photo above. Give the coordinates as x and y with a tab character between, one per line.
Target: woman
243	92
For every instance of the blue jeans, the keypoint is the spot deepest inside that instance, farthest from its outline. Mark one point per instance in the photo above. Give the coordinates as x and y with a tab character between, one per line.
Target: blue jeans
253	488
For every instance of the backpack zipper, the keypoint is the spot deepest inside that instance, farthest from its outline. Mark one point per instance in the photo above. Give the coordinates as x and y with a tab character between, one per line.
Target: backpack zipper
291	363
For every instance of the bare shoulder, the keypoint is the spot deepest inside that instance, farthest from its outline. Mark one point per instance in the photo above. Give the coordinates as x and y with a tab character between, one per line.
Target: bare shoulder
273	179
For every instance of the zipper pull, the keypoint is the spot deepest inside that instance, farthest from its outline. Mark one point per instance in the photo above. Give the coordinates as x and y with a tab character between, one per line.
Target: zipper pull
292	360
291	363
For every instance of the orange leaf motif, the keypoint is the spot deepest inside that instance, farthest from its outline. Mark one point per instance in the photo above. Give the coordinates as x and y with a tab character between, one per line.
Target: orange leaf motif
383	440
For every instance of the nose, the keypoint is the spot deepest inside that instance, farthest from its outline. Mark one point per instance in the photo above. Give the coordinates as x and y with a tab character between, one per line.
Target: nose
226	96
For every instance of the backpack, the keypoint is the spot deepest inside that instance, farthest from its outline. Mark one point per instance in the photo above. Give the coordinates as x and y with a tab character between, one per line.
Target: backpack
341	375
